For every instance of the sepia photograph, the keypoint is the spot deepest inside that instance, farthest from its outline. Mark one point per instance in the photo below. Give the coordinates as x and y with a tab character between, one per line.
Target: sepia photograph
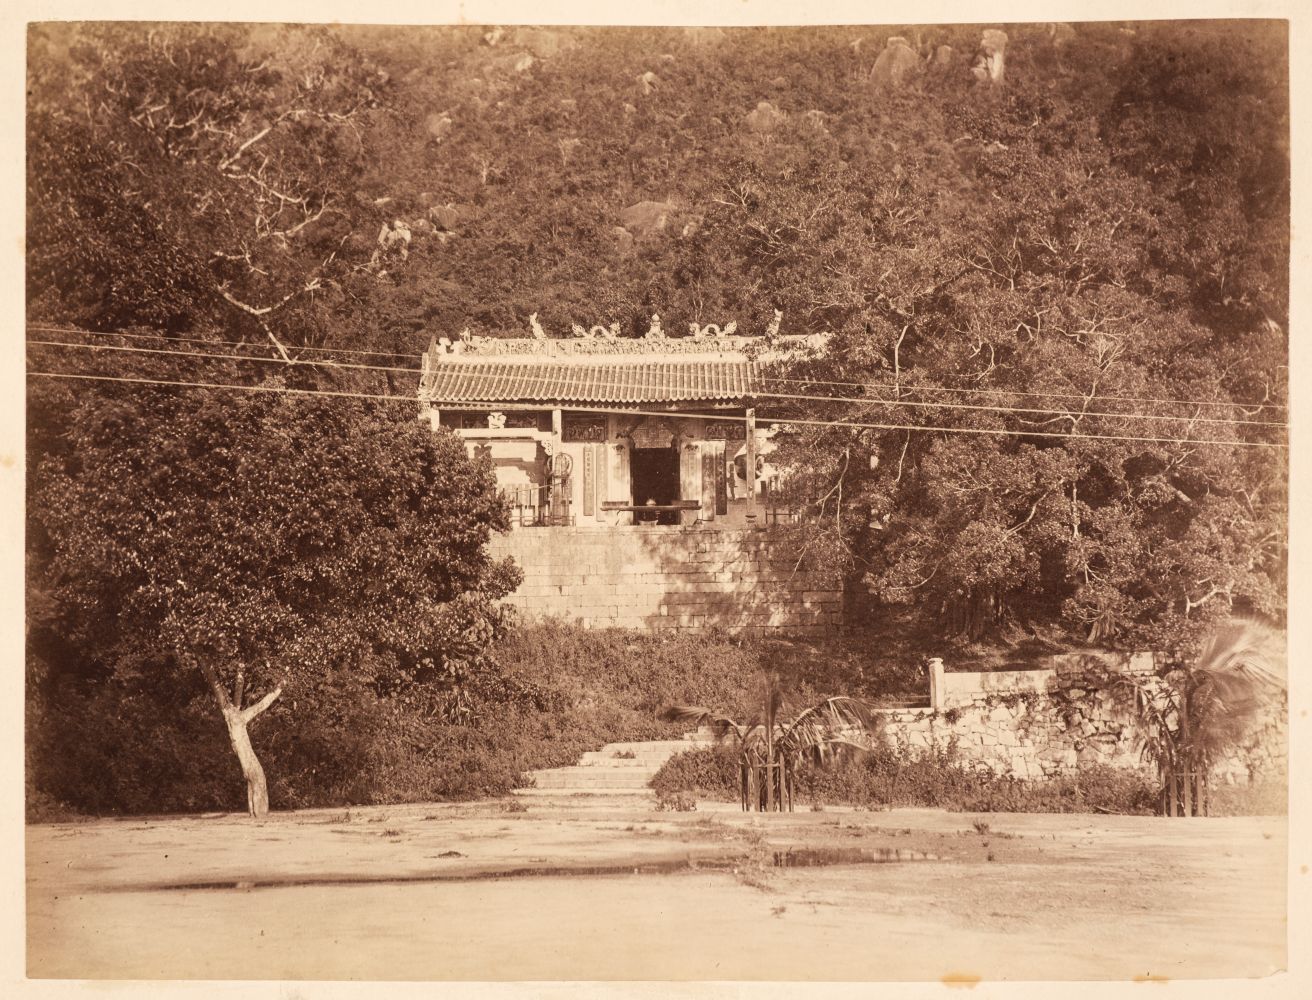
598	502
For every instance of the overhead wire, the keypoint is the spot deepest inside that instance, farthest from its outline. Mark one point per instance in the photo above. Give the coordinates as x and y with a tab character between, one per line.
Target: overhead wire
640	385
45	328
786	421
1038	394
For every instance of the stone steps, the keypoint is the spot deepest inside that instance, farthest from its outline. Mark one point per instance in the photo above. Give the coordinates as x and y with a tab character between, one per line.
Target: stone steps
605	772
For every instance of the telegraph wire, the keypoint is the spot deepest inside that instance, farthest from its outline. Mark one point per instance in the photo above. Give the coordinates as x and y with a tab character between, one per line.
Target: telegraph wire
788	421
621	359
44	328
915	404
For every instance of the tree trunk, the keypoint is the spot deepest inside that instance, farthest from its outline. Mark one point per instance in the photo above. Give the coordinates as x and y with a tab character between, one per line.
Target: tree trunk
238	721
1190	764
257	787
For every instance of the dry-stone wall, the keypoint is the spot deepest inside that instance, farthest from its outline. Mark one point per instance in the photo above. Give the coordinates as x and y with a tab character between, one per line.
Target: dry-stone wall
659	577
1078	712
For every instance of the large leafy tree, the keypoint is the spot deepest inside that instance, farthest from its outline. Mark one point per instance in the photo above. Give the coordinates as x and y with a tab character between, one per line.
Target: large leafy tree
182	175
264	541
1083	253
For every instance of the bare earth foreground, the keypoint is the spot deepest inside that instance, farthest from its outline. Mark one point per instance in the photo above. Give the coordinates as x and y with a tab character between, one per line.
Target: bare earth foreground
617	891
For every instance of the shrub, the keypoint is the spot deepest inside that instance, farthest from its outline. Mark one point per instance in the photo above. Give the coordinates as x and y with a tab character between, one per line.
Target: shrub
888	776
712	772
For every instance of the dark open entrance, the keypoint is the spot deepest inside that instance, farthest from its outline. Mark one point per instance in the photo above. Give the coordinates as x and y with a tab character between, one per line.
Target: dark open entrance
655	474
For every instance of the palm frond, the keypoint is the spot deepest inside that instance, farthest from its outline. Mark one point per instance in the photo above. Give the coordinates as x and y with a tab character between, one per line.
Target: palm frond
697	715
837	714
1244	659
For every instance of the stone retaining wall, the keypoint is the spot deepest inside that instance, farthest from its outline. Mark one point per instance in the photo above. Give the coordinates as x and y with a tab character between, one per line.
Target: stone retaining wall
1079	711
668	577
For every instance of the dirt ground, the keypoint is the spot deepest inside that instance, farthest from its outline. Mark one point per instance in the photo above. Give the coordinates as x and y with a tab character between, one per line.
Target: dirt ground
587	892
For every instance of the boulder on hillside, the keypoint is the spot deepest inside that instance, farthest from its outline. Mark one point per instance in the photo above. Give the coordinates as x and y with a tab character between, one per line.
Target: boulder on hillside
623	238
644	218
647	82
766	118
897	64
447	218
990	61
942	56
437	124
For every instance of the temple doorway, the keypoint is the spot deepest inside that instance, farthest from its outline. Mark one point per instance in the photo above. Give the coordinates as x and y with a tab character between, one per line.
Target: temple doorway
655	473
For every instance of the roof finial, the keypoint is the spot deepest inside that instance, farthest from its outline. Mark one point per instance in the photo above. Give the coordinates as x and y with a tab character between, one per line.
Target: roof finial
538	332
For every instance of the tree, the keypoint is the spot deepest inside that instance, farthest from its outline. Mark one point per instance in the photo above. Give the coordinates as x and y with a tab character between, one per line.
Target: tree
1196	710
264	540
181	175
773	745
1075	255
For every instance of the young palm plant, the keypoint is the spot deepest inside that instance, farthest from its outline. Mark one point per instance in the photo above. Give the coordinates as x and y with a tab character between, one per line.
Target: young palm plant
773	745
1194	714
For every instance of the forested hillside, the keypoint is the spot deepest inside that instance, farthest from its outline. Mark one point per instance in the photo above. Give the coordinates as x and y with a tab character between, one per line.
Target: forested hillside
1054	275
1108	219
783	171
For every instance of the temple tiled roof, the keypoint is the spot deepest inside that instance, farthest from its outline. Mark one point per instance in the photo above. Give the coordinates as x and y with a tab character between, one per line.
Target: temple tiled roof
649	380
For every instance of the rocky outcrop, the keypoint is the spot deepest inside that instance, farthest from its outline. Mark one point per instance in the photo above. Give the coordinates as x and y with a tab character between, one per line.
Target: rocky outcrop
897	65
446	218
990	61
765	119
437	124
644	218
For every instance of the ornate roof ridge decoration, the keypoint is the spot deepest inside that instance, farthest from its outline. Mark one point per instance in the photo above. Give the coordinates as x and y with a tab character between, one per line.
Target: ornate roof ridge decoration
468	346
712	364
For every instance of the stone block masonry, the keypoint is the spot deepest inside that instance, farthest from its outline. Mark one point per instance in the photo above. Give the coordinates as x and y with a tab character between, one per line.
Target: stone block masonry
668	577
1075	712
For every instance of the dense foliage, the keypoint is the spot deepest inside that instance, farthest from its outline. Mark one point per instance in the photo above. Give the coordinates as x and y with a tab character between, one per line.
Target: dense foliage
1105	230
893	776
896	777
262	543
550	692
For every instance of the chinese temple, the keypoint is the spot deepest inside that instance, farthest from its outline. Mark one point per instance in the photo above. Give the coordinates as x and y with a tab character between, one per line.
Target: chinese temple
601	430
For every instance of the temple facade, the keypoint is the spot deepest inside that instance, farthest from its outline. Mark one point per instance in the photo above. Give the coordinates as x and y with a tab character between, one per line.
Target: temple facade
640	488
598	433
